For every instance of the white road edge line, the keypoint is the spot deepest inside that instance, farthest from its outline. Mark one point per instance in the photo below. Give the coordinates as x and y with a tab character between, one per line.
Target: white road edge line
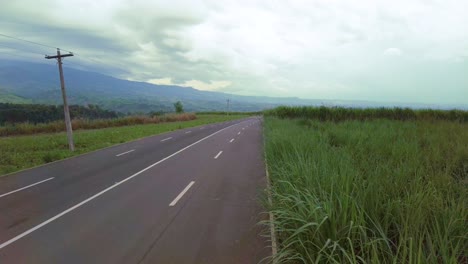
231	140
218	154
188	132
166	139
181	194
20	189
126	152
27	232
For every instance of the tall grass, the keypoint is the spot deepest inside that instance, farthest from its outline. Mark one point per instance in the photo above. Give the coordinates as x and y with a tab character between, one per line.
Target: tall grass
342	114
379	191
78	124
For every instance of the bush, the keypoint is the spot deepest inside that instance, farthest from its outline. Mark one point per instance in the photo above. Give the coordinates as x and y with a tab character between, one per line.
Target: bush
179	108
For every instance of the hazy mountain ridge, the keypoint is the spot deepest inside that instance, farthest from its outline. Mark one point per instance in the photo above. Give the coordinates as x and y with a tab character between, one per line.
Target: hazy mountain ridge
22	82
39	83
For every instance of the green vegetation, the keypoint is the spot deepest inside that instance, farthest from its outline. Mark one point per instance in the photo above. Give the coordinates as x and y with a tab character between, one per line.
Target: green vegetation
20	152
40	113
6	97
79	124
179	108
378	191
342	114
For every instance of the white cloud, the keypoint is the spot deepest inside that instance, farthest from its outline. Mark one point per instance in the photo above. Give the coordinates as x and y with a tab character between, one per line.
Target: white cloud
161	81
211	86
392	52
319	48
197	84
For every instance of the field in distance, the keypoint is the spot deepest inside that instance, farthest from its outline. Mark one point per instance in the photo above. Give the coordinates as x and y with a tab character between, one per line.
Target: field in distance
369	185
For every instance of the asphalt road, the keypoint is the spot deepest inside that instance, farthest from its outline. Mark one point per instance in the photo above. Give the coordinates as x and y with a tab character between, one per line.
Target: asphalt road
189	196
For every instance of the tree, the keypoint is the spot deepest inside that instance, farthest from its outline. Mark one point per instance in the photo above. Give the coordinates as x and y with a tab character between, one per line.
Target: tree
179	108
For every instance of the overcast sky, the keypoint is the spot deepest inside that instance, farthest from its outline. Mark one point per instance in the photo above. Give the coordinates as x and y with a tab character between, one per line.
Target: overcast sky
394	51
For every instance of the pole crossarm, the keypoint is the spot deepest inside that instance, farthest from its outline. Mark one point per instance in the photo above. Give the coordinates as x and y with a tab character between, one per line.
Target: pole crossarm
57	56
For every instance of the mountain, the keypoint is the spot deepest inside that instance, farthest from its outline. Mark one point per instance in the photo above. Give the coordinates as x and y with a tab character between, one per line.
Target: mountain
39	83
24	82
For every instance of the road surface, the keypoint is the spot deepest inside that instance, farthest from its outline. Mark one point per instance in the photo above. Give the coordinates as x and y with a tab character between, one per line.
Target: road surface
189	196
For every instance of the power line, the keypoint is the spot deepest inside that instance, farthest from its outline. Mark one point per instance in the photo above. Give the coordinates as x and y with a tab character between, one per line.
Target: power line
36	43
24	50
86	58
48	46
15	55
35	52
75	64
89	59
32	42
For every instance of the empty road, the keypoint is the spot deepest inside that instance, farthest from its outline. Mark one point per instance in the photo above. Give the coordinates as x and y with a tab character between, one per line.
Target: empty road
189	196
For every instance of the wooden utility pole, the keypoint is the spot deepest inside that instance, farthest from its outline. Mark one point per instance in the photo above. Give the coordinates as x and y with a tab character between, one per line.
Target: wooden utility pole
66	111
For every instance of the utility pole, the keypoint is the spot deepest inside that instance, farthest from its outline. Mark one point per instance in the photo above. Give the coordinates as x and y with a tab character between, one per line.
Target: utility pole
66	111
227	101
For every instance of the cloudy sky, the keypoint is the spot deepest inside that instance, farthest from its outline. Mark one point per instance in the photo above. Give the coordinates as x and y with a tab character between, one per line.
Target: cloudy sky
389	51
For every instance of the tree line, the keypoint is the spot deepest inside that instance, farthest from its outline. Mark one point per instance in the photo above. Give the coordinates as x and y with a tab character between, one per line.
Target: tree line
40	113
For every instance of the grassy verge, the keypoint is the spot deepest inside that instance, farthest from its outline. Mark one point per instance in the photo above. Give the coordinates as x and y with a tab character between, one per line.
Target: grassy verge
80	124
20	152
379	191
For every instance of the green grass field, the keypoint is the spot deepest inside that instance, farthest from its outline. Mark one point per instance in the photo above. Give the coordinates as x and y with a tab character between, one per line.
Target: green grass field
376	191
20	152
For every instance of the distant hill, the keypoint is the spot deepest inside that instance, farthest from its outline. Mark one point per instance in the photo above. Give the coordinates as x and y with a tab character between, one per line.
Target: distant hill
22	82
6	97
39	83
